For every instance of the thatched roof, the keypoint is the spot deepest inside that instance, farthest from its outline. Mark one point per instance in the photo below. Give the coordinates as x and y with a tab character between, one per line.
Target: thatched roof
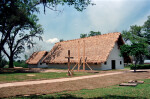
36	57
97	49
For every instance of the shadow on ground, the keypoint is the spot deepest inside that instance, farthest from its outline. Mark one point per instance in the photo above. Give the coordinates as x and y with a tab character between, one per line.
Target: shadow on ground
20	70
69	96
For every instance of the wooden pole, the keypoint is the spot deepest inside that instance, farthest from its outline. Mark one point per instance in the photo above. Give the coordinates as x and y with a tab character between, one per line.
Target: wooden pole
78	55
68	60
69	72
84	55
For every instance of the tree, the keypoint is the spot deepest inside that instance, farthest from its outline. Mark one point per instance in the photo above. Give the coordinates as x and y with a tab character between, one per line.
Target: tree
135	36
24	27
137	50
14	13
146	29
83	35
92	33
61	40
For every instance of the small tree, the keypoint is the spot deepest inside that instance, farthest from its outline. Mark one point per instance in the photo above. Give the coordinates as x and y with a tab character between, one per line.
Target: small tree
92	33
61	40
136	50
83	35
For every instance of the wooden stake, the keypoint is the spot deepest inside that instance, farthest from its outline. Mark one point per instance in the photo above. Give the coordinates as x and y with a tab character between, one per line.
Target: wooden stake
69	72
84	55
74	66
78	55
88	66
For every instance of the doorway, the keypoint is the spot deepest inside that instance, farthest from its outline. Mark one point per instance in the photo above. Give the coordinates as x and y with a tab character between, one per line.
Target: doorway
113	64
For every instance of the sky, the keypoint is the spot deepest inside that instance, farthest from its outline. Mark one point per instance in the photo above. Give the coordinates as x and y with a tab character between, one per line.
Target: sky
106	16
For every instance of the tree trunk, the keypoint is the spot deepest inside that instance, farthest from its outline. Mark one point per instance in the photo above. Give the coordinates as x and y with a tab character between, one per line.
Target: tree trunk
11	64
0	59
135	66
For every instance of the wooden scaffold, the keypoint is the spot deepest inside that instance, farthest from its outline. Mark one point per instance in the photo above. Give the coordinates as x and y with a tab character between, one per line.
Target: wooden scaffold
80	62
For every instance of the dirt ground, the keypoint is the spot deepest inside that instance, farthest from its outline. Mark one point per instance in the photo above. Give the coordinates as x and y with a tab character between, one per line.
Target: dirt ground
90	83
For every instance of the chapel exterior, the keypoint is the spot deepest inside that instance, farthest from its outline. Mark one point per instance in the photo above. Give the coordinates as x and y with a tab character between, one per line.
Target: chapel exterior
101	52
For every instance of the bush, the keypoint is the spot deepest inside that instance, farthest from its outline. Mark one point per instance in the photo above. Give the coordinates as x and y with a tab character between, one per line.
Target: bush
143	66
20	64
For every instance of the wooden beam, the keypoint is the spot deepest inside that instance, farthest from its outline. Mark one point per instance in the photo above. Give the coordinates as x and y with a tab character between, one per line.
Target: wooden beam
69	72
78	55
83	55
74	66
88	66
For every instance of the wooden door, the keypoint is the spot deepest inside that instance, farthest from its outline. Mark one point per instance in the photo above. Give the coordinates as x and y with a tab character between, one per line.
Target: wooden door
113	63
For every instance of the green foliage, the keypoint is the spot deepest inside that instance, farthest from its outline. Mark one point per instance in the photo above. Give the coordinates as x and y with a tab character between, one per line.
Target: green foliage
92	33
18	19
135	49
83	35
18	27
125	50
146	29
134	35
141	66
21	64
138	50
79	5
139	38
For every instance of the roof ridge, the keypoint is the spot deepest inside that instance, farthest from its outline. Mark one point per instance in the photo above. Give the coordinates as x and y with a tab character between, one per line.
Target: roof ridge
87	37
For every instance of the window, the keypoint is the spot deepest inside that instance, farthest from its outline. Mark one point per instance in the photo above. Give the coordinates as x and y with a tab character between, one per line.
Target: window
120	62
105	63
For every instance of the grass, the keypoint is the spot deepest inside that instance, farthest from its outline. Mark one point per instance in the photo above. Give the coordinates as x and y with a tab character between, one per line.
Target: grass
12	77
142	91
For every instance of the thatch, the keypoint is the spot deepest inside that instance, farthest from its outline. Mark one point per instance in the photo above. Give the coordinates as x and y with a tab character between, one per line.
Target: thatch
36	57
97	49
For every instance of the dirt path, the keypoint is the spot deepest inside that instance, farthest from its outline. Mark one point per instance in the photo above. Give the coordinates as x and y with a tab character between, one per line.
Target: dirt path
54	80
72	85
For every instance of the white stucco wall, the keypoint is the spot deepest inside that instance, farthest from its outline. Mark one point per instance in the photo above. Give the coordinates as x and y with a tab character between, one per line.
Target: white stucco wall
114	55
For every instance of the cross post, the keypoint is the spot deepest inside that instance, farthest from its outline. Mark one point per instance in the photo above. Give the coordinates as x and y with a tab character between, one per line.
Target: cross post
69	71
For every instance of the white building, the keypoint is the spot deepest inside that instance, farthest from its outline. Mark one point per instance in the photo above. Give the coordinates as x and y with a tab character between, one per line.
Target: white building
101	52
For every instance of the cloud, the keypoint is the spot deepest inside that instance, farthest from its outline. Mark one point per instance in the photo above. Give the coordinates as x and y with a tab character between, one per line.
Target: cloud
53	40
116	15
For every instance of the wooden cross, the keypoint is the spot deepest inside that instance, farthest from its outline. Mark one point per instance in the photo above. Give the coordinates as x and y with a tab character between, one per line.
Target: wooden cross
69	72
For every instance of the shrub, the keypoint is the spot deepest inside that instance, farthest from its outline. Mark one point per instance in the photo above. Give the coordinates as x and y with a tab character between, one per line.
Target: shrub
20	64
143	66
